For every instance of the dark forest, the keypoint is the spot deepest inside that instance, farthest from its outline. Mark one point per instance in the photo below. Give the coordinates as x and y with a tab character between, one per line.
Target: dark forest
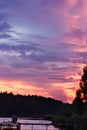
21	105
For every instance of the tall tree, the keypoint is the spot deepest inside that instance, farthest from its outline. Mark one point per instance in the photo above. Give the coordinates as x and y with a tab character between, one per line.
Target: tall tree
83	84
81	93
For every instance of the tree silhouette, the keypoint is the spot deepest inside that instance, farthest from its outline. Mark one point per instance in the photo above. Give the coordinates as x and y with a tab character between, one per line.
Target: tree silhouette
81	93
83	84
78	103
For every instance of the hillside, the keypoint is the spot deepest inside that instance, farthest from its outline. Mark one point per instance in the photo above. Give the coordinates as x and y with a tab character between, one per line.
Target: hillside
21	105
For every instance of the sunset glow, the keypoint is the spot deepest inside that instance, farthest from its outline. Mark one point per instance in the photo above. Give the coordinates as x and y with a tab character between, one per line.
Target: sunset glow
43	47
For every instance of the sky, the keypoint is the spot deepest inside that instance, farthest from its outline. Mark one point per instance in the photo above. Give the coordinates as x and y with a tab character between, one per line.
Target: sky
43	47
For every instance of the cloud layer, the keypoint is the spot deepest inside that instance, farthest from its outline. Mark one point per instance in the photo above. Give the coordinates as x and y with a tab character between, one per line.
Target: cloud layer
43	46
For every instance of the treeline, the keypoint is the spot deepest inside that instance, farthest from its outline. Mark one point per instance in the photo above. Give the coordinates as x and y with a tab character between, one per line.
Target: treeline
20	105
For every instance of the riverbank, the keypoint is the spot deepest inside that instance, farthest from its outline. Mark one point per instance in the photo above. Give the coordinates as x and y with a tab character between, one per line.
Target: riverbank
76	122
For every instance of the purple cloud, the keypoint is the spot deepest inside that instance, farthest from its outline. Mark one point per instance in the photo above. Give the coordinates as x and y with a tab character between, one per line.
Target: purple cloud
42	43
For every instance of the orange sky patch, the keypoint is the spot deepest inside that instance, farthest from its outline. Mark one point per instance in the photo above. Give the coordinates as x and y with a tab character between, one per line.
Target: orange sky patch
24	89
